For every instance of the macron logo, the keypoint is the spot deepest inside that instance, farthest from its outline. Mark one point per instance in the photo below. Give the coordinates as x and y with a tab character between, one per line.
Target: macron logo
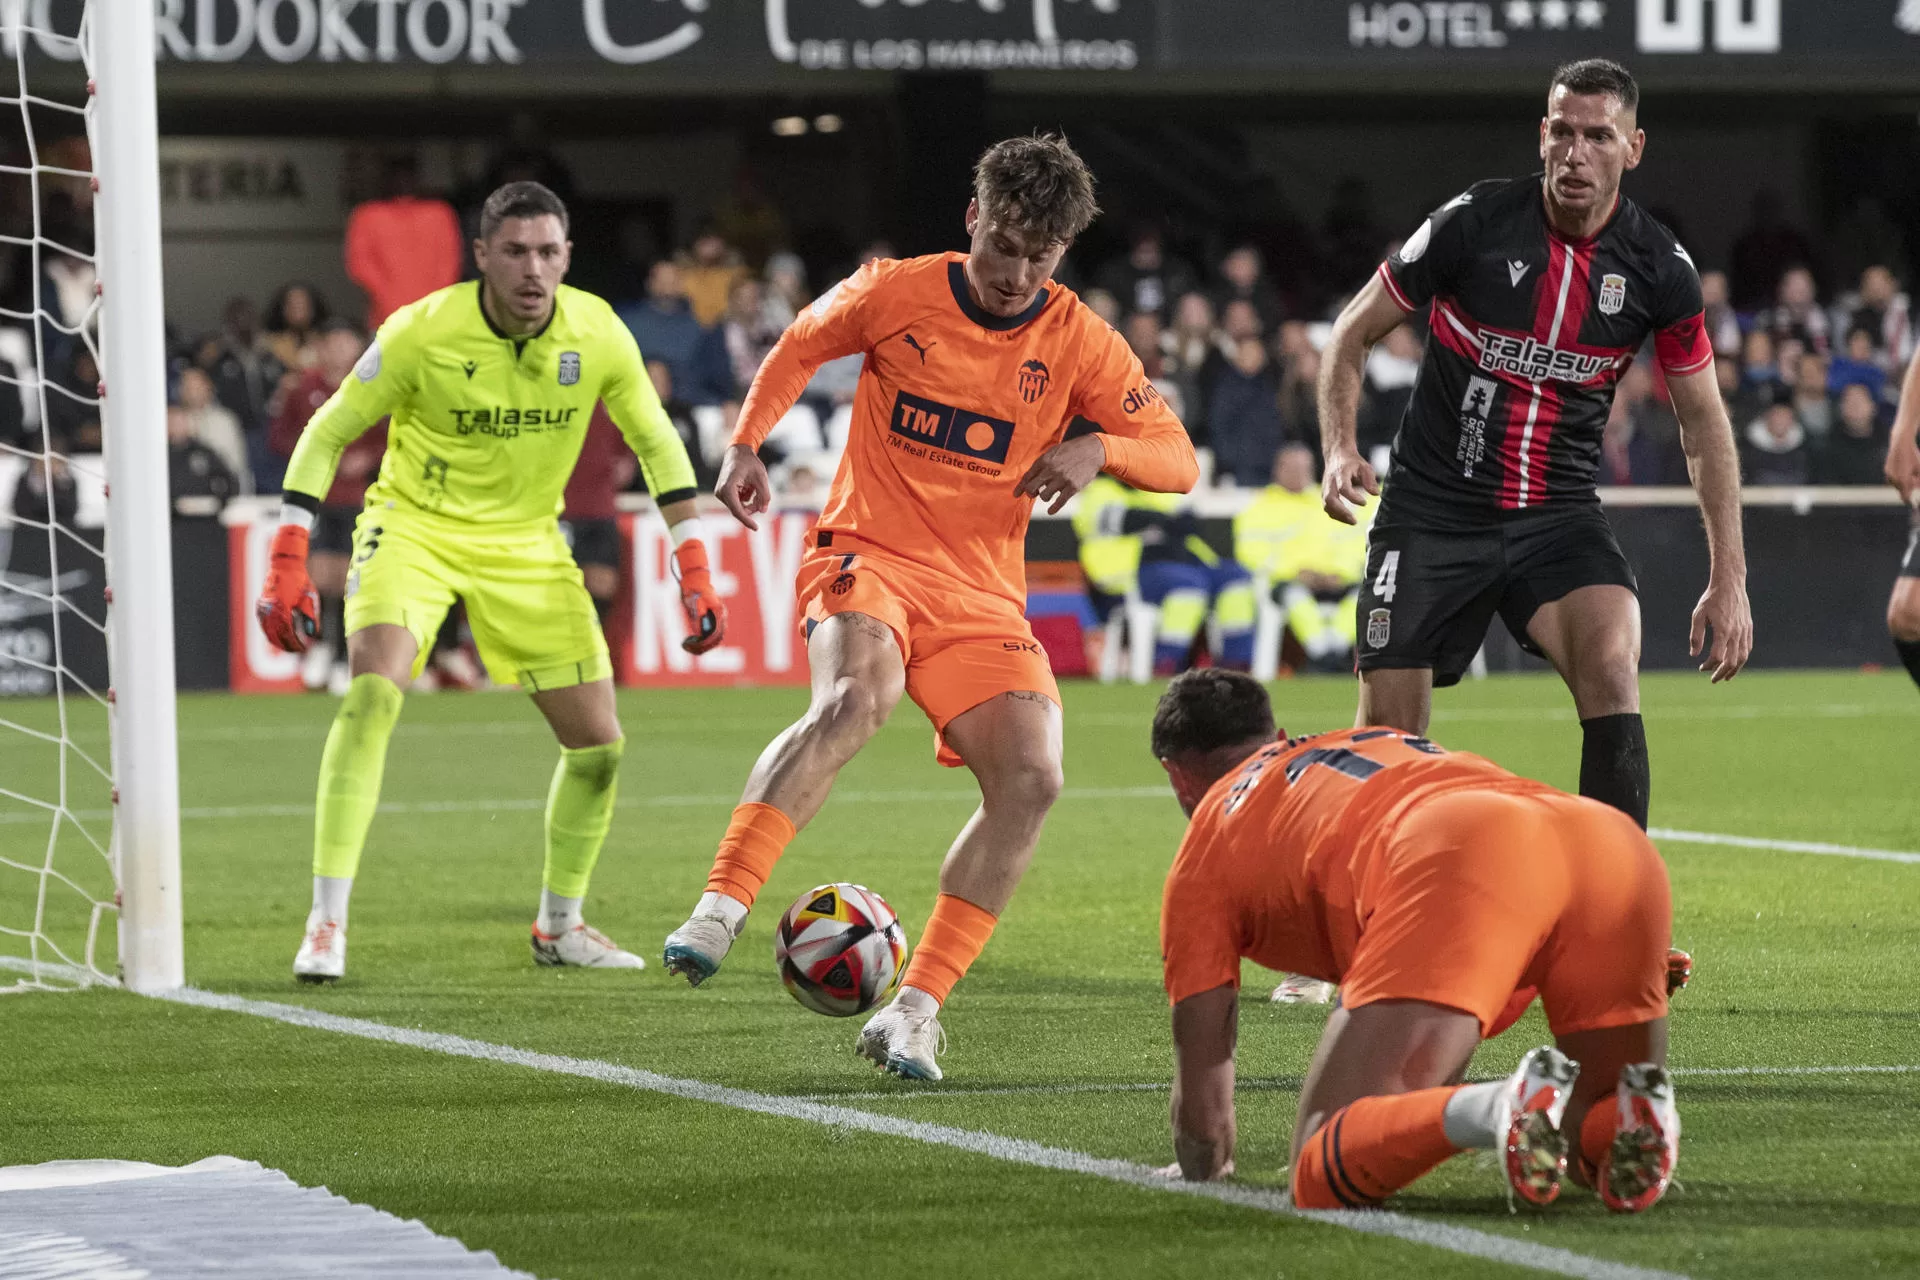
1516	271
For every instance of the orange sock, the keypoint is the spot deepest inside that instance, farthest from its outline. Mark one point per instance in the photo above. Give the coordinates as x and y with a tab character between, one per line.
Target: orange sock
1596	1132
953	940
1370	1149
755	839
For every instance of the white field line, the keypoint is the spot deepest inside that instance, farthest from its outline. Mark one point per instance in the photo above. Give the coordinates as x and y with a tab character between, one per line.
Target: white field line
1289	1083
1781	846
641	725
526	804
1438	1235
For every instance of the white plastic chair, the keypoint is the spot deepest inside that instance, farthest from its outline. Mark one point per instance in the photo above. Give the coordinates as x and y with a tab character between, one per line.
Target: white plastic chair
1131	631
1269	630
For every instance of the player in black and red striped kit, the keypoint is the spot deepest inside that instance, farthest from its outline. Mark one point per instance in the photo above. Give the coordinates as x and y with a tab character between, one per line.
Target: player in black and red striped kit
1541	290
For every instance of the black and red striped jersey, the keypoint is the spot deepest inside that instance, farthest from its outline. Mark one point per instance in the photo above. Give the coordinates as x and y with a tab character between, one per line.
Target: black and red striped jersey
1531	331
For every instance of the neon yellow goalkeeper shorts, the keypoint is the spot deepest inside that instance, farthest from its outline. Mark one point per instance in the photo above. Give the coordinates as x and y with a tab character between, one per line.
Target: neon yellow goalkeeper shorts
532	618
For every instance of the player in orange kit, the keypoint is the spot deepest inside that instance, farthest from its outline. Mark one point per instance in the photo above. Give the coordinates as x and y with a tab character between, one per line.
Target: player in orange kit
916	583
1438	890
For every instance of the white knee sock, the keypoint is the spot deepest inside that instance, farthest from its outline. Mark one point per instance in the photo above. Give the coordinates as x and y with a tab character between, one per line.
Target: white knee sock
330	894
1472	1115
557	914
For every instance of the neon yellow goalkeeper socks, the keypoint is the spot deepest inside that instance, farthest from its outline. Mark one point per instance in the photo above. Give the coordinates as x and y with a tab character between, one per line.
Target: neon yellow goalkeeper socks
579	811
350	772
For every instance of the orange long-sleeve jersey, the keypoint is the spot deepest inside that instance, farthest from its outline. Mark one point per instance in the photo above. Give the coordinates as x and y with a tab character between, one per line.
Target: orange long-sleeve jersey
1287	856
954	404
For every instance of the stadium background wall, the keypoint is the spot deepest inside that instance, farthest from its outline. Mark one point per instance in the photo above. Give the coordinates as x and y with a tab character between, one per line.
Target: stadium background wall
1808	610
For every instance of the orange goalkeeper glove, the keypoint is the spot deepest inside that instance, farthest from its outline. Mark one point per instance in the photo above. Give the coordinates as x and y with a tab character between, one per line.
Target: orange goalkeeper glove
706	612
289	607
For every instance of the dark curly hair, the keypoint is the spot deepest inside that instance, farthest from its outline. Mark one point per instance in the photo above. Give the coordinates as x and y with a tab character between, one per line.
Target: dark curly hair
1209	708
1038	183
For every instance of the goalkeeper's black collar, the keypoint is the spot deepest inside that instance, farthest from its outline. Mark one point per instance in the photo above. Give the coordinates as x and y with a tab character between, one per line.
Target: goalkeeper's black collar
519	342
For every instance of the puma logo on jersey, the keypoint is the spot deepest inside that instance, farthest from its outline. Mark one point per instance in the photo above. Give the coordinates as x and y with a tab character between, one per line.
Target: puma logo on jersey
1516	270
914	342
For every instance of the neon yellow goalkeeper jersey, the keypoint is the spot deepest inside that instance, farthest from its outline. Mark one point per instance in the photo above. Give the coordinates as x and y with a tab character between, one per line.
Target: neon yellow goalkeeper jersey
486	427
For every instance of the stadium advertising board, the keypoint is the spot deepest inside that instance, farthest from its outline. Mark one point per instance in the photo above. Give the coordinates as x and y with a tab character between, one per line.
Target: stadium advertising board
1115	39
754	572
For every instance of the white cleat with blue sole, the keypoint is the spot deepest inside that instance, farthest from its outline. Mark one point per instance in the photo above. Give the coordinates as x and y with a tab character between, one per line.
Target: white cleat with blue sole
696	948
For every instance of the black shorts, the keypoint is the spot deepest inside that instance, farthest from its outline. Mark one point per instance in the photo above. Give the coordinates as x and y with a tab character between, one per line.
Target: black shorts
1429	595
593	541
1910	563
333	530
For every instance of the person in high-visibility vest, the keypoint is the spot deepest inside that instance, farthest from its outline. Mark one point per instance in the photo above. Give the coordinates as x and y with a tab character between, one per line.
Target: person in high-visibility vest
1313	563
1149	542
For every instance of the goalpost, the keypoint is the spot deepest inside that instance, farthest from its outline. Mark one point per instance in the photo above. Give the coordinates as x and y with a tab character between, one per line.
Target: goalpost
56	791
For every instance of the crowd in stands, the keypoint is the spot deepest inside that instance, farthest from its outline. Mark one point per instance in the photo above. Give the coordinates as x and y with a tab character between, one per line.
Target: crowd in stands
1809	379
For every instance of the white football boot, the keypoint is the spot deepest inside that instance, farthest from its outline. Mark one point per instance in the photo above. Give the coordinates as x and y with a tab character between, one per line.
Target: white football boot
323	953
1294	989
1533	1150
904	1041
1638	1166
584	946
696	948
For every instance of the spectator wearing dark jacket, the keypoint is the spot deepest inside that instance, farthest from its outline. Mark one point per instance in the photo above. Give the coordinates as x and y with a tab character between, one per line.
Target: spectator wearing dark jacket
1243	277
194	470
1775	449
1147	279
1243	415
1856	450
663	324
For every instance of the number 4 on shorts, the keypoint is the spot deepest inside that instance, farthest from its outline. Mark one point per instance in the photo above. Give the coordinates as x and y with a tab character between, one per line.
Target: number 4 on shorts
1383	582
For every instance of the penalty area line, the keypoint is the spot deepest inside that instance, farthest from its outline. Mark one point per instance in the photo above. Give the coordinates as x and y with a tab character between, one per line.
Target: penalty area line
1021	1151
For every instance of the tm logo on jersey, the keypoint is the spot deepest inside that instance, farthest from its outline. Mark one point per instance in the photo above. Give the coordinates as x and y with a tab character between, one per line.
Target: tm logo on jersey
1535	361
941	426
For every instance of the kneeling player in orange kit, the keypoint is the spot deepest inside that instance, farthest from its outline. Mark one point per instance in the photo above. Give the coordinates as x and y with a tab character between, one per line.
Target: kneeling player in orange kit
1433	886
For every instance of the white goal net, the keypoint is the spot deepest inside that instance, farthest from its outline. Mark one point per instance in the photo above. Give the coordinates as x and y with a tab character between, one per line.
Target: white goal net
64	693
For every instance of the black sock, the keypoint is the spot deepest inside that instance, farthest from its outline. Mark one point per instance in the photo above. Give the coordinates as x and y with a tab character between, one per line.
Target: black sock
1910	654
1613	764
333	623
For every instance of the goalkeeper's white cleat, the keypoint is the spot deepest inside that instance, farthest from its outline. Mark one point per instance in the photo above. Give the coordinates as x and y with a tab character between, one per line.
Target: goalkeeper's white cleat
904	1041
584	947
323	953
1294	989
696	948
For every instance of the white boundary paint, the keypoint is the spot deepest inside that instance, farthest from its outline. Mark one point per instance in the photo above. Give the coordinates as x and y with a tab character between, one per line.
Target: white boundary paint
1439	1235
526	804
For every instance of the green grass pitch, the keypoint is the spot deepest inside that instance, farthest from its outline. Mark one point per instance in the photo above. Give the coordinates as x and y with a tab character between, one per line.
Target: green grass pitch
1803	961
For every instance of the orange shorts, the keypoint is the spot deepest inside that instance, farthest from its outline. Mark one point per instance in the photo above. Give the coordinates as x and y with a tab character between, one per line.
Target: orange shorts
1481	893
961	647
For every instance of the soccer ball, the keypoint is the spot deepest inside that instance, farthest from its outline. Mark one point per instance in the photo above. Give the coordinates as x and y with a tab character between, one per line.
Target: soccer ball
840	949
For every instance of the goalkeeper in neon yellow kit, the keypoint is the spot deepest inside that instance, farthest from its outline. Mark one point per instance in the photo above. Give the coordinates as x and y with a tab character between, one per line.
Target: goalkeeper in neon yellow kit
490	384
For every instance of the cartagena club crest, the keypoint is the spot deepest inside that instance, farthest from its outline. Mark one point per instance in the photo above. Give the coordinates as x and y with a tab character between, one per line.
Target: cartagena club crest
1379	628
1613	294
569	368
1033	381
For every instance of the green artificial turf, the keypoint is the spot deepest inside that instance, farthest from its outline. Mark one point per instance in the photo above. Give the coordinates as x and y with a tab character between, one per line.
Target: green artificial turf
1803	960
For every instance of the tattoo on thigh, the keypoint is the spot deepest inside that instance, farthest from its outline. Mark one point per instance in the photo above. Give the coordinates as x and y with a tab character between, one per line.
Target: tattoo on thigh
1028	695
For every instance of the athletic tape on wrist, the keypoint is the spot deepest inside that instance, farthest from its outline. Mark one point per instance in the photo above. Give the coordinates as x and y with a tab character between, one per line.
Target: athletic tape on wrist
688	528
300	517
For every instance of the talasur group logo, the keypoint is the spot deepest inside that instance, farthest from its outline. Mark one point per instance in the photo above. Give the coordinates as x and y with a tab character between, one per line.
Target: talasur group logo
1033	381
